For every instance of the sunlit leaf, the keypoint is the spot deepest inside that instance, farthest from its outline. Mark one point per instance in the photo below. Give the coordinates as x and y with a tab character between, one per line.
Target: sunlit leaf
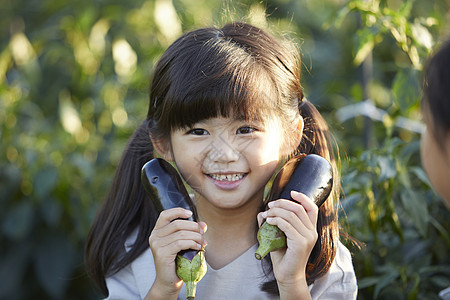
387	166
365	40
422	35
406	89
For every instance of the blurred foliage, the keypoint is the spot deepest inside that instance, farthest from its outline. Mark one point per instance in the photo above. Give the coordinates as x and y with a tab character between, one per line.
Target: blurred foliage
73	86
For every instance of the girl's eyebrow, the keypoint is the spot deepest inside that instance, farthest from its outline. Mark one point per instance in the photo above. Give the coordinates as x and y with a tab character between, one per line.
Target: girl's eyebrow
196	124
256	119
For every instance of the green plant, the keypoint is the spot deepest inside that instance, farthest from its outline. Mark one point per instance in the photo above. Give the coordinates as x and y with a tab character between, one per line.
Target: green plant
402	223
400	220
69	101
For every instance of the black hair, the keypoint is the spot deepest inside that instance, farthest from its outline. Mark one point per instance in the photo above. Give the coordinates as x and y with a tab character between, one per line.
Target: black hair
436	92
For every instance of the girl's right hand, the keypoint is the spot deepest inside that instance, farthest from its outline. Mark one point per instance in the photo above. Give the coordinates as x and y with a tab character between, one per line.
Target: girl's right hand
171	235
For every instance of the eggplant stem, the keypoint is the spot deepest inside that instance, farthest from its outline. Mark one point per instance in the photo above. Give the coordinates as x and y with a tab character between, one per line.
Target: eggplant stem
262	251
270	238
191	287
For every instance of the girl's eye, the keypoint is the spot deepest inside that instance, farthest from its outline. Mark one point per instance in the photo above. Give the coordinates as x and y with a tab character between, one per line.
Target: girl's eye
245	130
198	131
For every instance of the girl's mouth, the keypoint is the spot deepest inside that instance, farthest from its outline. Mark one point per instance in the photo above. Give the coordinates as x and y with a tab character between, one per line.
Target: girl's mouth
227	177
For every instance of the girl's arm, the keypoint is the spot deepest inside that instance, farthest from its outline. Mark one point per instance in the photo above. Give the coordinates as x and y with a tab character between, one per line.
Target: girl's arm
298	222
171	235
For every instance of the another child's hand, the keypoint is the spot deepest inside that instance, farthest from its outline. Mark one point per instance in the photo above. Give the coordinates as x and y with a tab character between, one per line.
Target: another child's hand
169	236
298	222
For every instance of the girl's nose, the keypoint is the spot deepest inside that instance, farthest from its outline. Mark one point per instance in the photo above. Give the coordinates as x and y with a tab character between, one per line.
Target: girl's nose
223	151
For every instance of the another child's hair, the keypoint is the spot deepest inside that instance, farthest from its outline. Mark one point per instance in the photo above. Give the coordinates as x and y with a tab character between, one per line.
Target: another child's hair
237	71
436	89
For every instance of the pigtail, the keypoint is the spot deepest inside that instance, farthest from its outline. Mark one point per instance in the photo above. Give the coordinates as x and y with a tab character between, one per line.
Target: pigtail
125	209
316	139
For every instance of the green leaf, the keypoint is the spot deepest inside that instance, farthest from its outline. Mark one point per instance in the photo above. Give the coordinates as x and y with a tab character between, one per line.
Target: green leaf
367	282
13	265
365	40
441	281
415	289
51	211
433	270
385	280
445	234
406	89
54	262
422	35
405	10
44	182
417	210
420	173
387	167
10	179
18	222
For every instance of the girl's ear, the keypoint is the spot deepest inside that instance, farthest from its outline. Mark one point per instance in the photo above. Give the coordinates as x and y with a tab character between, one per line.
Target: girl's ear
300	127
162	147
299	134
294	141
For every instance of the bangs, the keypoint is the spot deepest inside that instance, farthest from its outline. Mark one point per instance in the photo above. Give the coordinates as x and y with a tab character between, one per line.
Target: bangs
219	79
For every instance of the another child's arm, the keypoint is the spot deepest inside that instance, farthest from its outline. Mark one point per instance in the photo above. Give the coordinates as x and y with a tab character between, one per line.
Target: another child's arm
170	236
298	221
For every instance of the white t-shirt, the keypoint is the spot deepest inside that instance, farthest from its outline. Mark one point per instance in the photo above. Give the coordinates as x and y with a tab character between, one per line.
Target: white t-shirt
240	279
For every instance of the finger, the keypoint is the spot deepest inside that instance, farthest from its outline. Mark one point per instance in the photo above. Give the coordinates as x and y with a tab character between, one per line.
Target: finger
177	230
293	214
173	245
179	235
203	226
309	205
291	231
260	218
292	206
179	225
167	216
170	250
284	226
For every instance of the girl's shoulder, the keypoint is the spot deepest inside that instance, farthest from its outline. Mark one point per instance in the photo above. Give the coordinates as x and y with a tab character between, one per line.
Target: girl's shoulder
133	281
343	264
131	239
339	280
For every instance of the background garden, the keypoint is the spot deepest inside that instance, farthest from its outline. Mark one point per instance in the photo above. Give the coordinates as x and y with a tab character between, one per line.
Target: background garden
74	77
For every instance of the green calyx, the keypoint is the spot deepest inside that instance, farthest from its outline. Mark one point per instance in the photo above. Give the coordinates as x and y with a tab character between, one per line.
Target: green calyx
270	238
191	272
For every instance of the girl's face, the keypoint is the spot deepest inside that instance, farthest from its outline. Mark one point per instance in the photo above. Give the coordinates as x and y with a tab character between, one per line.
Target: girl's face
435	160
226	161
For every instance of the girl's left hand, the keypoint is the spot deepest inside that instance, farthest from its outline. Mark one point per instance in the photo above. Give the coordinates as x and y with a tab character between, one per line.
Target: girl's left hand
298	221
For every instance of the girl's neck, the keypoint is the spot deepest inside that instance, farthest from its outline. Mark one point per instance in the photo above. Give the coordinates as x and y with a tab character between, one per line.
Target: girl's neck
230	231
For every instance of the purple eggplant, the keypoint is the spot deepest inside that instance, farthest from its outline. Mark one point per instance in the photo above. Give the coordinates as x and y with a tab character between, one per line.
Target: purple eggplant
311	175
165	188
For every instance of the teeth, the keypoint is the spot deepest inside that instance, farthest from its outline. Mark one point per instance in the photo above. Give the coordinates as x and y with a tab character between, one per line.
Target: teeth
229	177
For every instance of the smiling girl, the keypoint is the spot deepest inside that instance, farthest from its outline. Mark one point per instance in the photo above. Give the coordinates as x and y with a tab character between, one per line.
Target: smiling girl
227	107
